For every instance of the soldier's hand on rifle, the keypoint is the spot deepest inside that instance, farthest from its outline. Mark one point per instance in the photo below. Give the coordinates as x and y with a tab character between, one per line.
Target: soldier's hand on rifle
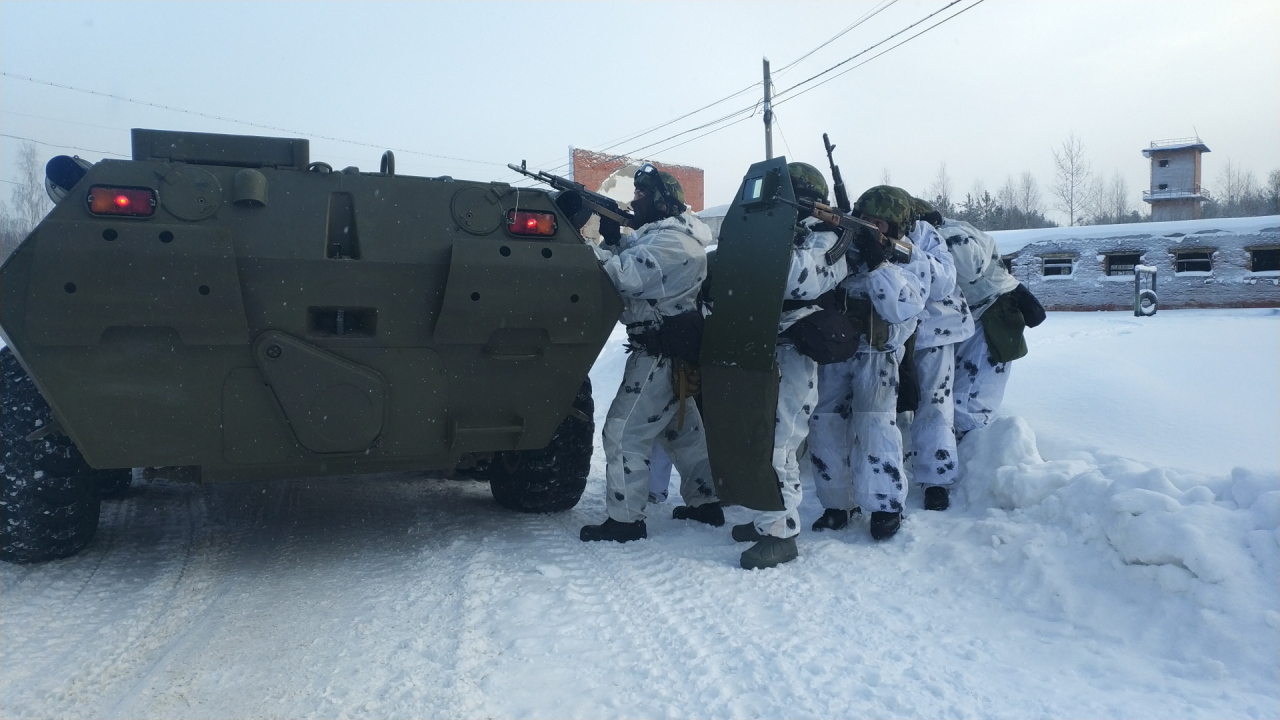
610	230
867	241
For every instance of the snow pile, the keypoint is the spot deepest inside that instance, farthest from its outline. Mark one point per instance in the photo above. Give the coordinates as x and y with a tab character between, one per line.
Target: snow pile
1114	546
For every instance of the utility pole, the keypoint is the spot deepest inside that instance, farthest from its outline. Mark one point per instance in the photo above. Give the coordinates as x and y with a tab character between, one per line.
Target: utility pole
768	114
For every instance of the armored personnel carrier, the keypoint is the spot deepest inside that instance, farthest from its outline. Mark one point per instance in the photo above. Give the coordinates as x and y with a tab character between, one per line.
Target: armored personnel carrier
224	305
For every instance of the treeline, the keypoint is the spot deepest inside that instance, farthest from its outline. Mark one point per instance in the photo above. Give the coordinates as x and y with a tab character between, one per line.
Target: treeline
1018	203
1089	198
1239	194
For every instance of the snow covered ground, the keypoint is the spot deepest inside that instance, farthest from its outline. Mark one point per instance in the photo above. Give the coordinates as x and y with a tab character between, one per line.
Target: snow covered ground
1114	553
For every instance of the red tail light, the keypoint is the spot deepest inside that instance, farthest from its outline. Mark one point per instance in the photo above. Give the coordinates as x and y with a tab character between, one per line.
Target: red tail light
523	222
133	202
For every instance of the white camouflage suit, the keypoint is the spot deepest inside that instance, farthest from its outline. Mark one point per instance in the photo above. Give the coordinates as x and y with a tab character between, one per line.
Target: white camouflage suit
944	323
658	271
982	278
809	277
855	447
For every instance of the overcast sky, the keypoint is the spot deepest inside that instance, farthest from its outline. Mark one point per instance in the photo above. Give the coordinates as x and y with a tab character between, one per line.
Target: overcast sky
989	93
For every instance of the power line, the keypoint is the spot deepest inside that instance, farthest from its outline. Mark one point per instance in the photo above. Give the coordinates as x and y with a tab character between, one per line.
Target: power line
873	57
614	143
64	147
220	118
866	16
867	50
731	115
72	122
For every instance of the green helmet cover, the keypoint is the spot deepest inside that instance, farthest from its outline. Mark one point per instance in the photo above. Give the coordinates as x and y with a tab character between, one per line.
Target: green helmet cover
891	204
807	181
663	194
921	207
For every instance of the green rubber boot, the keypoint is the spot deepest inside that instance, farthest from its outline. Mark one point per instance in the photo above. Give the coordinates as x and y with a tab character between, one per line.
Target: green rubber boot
769	552
746	532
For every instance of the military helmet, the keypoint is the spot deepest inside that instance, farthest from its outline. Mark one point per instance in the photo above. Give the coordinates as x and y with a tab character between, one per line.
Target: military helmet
663	188
921	207
807	181
925	211
891	204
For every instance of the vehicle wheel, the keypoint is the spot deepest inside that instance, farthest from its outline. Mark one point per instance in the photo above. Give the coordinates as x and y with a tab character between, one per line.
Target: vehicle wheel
551	479
49	504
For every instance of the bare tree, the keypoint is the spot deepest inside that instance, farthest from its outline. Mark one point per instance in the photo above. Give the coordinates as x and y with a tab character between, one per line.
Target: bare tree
1096	203
1071	178
1029	200
1118	198
1229	182
885	178
940	191
29	202
1007	195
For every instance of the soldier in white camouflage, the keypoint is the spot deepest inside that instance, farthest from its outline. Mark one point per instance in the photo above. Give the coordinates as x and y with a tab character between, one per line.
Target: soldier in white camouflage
855	447
945	323
658	270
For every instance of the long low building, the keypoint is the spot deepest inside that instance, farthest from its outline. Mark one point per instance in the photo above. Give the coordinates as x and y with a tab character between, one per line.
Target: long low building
1224	262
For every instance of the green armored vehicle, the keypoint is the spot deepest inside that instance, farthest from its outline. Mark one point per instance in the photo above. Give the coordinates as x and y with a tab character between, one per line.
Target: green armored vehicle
223	305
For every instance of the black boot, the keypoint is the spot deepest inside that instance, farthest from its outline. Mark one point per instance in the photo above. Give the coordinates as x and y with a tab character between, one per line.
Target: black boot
746	533
833	519
614	531
710	513
936	497
885	524
769	552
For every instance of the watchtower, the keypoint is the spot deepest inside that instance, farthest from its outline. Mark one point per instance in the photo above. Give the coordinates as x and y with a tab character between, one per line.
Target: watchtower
1175	192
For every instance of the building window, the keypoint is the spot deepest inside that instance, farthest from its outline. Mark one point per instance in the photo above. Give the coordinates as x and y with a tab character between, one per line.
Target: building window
1192	262
1164	163
1264	260
1163	186
1057	266
1122	263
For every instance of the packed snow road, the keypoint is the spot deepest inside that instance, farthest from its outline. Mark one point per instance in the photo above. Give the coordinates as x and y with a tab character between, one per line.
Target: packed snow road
1084	585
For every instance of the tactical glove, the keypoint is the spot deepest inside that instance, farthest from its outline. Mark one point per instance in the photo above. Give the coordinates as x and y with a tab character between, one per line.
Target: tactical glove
869	248
610	231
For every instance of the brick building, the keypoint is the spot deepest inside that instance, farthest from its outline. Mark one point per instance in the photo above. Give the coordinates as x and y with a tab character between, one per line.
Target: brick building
595	170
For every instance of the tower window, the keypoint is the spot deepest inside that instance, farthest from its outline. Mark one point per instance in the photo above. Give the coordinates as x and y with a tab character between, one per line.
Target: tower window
1164	163
1193	262
1163	186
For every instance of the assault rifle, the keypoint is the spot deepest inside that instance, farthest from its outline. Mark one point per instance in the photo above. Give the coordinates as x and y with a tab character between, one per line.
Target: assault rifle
842	195
576	200
898	251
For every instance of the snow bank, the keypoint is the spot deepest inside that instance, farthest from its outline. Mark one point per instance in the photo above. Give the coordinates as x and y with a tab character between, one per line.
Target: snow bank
1192	558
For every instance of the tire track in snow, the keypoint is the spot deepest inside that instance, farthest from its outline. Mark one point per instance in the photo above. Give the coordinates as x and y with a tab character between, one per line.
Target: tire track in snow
106	627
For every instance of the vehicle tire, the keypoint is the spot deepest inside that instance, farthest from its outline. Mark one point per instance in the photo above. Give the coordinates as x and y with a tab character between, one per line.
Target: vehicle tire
49	504
551	479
